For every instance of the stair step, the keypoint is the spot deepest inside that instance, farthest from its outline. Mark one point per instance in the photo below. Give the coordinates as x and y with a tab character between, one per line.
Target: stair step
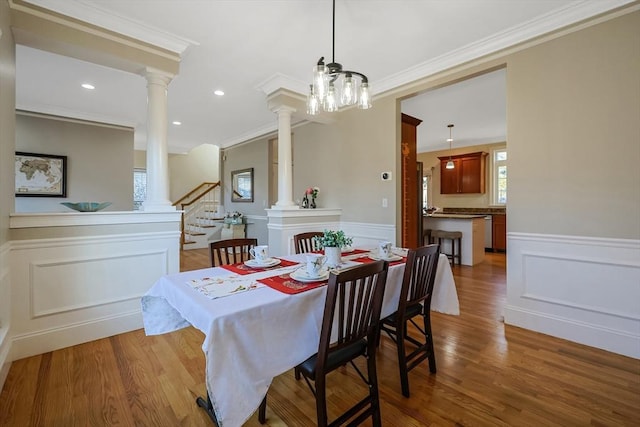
201	226
194	233
189	242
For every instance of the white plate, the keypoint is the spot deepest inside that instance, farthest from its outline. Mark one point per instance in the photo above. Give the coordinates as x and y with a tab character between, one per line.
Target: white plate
346	249
391	258
301	275
268	263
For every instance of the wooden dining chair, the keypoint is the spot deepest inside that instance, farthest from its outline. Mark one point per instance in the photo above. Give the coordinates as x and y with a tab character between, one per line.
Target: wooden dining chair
415	300
349	331
230	251
305	242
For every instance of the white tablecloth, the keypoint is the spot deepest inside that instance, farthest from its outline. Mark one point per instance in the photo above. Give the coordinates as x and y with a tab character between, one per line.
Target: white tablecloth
254	336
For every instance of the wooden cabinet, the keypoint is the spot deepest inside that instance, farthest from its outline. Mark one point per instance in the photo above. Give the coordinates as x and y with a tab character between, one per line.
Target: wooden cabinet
499	232
468	175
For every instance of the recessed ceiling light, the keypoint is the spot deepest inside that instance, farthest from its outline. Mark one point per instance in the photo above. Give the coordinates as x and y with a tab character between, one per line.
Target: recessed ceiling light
177	123
218	92
88	86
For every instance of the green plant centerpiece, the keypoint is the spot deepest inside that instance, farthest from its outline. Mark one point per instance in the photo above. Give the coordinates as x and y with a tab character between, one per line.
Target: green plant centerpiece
332	242
333	239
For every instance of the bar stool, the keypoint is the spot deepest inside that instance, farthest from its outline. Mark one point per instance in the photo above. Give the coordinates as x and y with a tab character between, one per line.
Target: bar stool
426	237
454	236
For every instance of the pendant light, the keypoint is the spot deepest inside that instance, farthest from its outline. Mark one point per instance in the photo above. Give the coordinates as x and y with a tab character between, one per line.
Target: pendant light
329	92
450	164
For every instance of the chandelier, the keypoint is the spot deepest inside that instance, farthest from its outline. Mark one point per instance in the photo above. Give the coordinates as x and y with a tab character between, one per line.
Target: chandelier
450	164
329	92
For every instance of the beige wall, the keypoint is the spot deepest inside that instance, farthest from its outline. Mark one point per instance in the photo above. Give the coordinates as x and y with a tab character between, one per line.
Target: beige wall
345	160
99	162
7	149
573	119
254	155
187	171
431	164
7	119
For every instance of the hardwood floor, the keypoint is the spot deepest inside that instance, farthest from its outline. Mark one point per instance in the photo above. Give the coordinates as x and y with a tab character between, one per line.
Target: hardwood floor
488	374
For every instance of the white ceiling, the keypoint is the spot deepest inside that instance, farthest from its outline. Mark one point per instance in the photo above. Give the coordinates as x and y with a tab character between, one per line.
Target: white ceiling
476	107
238	45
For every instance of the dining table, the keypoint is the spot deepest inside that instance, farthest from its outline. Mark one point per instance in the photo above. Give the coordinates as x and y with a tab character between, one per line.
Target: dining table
260	321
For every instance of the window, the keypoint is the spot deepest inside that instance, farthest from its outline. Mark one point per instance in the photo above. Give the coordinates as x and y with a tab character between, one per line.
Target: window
500	176
139	188
425	193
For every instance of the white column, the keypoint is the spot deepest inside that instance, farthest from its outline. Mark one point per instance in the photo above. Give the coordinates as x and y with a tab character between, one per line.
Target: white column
157	151
285	171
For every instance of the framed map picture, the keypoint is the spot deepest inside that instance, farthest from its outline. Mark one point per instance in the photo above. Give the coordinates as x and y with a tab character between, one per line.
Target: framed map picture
41	175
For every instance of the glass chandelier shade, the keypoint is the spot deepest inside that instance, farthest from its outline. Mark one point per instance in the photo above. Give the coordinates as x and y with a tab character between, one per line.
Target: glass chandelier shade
334	87
450	164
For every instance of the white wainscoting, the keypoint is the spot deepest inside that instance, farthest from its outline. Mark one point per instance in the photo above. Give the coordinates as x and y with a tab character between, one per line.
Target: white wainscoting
369	235
5	313
71	290
582	289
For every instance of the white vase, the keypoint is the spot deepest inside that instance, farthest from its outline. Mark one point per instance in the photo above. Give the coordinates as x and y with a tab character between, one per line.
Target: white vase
333	255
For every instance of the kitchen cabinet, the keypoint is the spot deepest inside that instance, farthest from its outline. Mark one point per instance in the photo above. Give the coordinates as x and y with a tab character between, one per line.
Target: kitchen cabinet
499	224
467	176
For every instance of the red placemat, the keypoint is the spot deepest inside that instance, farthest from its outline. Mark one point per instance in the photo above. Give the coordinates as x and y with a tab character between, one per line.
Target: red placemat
286	284
366	260
242	269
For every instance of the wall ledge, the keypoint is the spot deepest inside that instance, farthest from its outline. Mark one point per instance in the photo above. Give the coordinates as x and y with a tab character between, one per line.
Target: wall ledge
65	219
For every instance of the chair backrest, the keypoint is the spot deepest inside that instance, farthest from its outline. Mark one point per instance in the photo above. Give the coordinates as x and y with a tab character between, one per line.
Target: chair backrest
230	251
352	308
305	242
419	277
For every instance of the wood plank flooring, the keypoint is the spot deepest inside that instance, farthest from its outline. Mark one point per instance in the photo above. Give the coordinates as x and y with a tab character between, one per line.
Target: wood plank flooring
488	374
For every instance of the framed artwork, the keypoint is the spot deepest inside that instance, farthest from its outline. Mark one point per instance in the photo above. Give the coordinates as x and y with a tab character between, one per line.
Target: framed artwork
242	185
40	175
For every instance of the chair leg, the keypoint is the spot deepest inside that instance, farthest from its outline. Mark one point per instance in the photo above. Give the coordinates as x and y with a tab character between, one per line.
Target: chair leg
262	411
429	337
401	331
321	401
373	391
296	373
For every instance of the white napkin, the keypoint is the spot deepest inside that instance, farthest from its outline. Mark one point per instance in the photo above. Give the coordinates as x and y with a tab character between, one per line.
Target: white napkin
218	287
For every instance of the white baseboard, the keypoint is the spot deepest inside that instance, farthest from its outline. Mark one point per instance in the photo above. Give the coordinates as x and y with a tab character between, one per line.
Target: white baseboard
46	340
582	289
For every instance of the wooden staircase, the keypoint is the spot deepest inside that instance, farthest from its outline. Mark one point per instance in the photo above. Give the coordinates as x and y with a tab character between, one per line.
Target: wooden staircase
200	219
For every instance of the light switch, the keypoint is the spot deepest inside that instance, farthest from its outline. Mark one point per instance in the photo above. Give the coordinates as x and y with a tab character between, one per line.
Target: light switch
385	203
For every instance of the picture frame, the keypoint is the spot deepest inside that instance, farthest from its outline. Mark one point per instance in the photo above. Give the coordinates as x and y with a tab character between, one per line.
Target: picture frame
242	185
40	175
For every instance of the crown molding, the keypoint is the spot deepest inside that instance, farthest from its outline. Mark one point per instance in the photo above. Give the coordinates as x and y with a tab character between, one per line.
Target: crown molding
74	115
129	27
282	81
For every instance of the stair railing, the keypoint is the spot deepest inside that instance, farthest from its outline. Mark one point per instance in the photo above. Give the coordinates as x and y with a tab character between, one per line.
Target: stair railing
196	206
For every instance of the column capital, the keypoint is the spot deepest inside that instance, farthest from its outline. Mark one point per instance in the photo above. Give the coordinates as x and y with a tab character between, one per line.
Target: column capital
283	109
153	75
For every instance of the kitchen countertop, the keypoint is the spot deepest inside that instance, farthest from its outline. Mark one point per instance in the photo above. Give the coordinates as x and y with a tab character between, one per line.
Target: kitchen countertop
454	216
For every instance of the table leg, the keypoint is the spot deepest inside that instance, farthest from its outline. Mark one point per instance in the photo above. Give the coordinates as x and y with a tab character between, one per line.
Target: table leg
208	407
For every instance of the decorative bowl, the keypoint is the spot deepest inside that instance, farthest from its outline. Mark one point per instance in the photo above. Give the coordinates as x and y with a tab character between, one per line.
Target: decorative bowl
86	206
